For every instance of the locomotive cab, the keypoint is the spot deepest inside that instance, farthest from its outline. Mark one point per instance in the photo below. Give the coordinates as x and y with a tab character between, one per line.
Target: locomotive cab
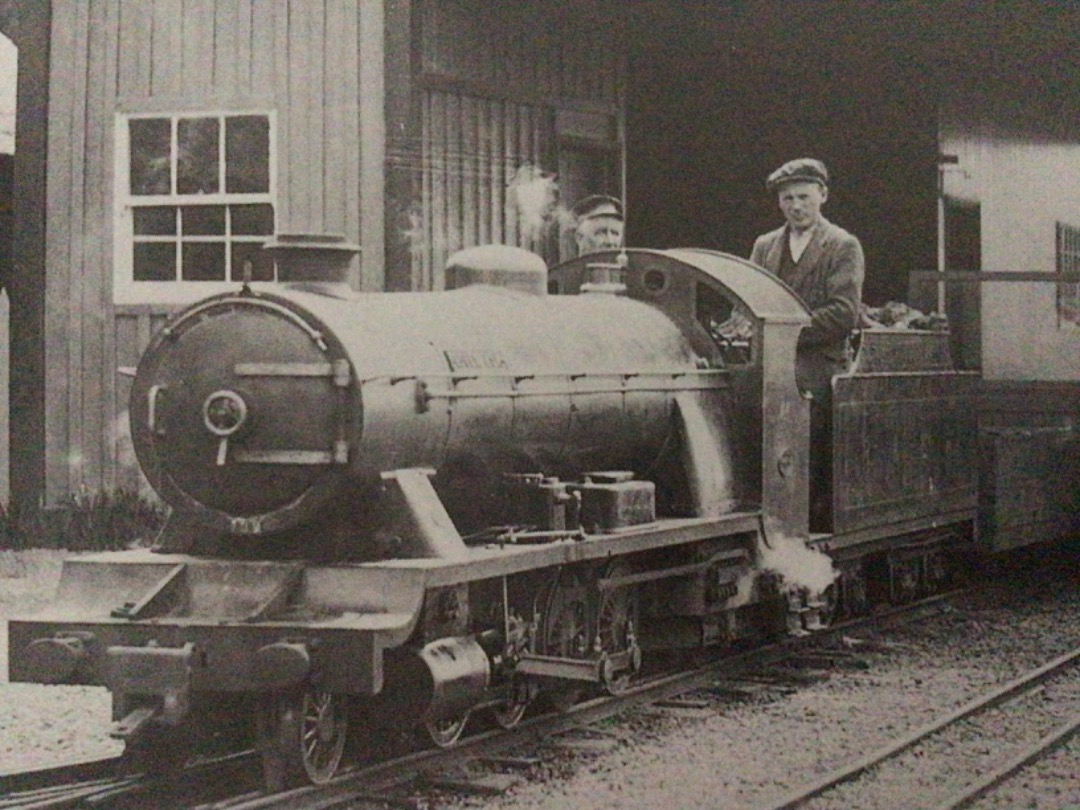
744	320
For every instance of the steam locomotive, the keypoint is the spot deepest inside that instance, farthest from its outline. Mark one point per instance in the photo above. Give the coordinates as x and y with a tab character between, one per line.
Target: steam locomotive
405	509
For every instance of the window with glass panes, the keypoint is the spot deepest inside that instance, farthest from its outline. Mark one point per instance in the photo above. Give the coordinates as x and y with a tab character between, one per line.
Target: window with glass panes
199	201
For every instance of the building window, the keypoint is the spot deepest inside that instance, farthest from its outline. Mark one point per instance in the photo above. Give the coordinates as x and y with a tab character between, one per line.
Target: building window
1068	261
195	203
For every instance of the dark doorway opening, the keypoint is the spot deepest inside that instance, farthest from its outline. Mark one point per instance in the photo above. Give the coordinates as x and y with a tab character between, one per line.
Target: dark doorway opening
719	99
963	302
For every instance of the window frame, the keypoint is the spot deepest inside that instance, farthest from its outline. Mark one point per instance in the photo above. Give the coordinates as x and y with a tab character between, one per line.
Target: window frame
126	290
1067	260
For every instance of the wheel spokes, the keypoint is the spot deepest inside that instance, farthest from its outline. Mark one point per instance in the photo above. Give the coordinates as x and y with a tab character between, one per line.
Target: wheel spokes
444	733
616	618
507	715
302	737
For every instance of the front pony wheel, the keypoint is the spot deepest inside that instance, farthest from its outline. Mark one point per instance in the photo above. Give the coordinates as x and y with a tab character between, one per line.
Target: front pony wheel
301	737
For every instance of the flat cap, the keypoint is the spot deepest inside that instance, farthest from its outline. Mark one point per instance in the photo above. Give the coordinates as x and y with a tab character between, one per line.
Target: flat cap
597	205
800	170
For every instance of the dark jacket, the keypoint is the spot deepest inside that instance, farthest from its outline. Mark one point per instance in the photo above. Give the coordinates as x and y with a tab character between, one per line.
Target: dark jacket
828	277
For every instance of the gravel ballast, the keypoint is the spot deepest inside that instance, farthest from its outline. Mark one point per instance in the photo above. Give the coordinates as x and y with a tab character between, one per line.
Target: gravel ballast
750	754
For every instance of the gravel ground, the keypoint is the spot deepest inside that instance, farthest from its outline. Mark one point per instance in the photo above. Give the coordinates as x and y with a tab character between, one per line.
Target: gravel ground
42	726
732	755
749	754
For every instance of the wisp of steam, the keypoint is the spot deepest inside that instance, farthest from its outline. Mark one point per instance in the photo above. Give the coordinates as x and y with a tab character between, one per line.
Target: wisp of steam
799	566
534	194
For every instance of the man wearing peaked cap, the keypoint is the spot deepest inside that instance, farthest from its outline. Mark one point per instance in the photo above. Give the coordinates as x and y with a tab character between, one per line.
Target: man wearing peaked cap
806	170
598	223
821	261
824	265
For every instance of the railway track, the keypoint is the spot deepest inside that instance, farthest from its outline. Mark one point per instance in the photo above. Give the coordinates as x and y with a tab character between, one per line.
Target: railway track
105	786
385	782
107	783
971	734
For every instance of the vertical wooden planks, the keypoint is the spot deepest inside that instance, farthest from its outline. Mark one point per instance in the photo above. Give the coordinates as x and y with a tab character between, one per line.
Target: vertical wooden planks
428	168
453	168
265	46
244	78
133	69
510	165
279	84
167	49
196	48
98	366
294	70
229	61
75	236
132	332
484	172
312	41
477	140
437	161
469	168
338	114
497	162
369	175
67	88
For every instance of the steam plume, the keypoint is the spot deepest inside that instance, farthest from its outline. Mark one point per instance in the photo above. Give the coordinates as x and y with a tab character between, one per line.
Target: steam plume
534	194
799	566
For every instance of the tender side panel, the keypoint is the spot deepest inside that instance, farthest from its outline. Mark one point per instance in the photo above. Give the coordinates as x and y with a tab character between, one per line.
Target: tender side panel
905	451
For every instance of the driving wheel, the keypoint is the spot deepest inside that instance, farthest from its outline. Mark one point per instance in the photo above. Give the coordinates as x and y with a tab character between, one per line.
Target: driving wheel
508	713
444	733
616	623
565	632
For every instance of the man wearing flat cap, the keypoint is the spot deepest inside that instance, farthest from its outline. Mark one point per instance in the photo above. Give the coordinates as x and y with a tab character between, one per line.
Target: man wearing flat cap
824	265
598	223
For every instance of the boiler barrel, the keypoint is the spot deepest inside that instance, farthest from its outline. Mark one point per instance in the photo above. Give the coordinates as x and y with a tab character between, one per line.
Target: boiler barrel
253	410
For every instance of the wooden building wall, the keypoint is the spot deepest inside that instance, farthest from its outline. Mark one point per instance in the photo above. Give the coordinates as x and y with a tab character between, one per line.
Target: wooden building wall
490	93
317	64
1017	146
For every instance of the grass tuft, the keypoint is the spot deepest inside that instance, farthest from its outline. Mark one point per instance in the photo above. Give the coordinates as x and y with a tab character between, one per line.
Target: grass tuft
101	521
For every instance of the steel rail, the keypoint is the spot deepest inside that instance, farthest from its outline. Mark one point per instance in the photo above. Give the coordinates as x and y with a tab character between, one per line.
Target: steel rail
100	781
1035	751
57	775
63	796
1002	694
54	788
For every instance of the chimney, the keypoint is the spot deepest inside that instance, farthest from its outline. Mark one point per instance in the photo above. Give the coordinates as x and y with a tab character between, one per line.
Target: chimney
312	260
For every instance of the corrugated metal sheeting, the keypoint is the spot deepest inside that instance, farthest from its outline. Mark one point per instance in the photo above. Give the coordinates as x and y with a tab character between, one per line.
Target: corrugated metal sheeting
476	154
494	79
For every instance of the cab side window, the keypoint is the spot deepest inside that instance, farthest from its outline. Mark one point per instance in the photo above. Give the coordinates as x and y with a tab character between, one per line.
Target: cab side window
725	321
